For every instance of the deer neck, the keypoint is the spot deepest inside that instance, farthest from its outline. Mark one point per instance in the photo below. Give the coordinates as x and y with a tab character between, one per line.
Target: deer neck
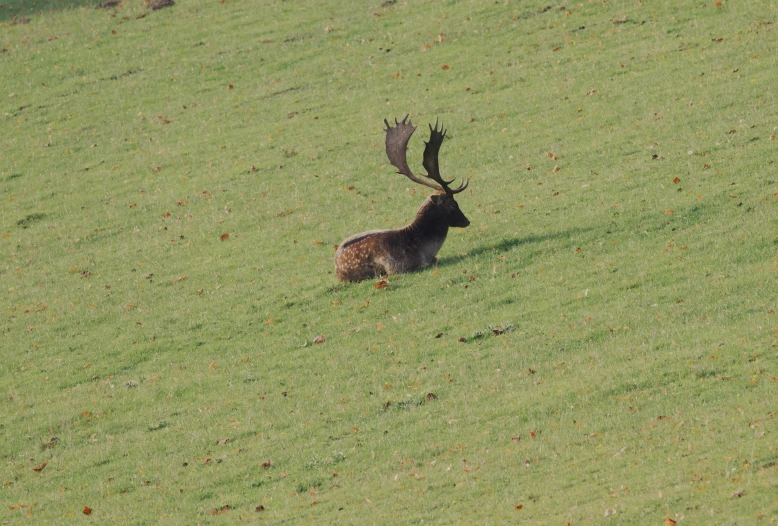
429	224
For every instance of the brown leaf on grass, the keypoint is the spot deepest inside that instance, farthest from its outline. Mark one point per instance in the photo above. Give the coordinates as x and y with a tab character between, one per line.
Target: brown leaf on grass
224	237
430	397
266	464
738	493
670	522
445	67
387	405
382	283
159	4
319	339
87	510
40	467
51	443
676	180
517	507
219	511
259	508
551	155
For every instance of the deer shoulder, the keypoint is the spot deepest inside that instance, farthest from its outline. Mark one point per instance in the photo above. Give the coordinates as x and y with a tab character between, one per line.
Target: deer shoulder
381	252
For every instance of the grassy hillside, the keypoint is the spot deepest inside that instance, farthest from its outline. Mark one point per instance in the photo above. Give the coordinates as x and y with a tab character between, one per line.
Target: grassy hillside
601	344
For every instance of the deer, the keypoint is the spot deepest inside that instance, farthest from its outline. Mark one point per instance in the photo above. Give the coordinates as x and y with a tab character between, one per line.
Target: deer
378	253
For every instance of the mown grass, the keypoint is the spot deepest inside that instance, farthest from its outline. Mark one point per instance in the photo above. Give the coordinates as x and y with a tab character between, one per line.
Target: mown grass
623	208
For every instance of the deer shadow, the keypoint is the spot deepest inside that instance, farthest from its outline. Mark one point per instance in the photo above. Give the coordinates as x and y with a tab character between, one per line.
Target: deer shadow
509	244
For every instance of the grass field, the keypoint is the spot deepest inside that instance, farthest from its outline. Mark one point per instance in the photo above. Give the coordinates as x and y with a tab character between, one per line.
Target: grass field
600	345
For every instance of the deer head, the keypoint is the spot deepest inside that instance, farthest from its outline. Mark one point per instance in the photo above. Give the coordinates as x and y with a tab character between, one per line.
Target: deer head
445	207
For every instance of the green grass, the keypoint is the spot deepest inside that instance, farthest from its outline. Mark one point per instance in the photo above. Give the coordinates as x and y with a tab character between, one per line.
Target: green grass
623	204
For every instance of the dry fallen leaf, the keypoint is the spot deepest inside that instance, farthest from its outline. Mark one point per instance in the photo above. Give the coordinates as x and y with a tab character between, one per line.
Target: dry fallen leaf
225	237
159	4
669	521
220	510
267	464
87	510
319	339
676	180
430	397
40	467
445	67
382	283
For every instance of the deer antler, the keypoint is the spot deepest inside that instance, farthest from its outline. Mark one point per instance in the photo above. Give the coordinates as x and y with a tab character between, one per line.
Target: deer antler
396	143
430	163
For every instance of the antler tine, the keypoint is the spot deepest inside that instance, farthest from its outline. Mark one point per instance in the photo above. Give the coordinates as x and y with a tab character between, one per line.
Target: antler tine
460	188
396	143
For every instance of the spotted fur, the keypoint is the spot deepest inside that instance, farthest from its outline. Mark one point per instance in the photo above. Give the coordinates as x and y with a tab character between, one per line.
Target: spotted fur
382	252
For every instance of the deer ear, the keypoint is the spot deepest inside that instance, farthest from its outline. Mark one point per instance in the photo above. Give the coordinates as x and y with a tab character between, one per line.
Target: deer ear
436	199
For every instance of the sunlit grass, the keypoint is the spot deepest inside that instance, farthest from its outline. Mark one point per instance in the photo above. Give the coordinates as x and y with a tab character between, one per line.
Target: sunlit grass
173	183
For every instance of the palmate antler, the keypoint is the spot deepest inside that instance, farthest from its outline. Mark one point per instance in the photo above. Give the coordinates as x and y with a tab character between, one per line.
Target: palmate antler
396	143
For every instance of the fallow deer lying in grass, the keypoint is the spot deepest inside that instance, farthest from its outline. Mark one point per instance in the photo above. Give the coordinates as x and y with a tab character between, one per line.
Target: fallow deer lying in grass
381	252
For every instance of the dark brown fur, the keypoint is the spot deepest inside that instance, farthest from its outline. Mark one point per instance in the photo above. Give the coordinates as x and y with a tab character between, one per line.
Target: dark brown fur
381	252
